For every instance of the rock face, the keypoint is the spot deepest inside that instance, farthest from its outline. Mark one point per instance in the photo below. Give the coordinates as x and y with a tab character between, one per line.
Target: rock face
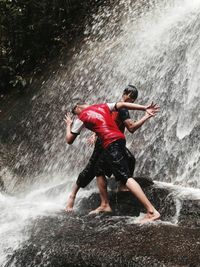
190	213
107	241
124	204
114	239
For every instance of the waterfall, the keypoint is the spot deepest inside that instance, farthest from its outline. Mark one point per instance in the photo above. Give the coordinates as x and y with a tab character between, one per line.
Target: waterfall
152	44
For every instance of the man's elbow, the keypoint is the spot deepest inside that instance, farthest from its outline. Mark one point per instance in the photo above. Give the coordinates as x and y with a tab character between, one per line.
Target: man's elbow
131	130
69	141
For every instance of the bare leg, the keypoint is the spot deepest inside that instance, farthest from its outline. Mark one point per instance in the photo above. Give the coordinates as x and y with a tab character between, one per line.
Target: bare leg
71	199
152	213
104	206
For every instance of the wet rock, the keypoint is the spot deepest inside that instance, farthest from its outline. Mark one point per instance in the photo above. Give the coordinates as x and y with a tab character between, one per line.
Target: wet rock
144	181
70	240
78	239
124	203
2	186
185	212
111	182
190	213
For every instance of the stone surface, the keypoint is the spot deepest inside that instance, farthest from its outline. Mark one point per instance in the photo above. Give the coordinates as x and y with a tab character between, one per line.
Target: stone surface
190	213
78	239
68	240
124	203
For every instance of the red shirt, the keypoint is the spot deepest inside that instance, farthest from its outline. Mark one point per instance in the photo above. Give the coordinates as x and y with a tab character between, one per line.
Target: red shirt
98	119
116	117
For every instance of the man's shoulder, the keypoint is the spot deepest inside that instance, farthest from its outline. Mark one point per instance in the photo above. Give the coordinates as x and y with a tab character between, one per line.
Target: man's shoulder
124	114
98	105
123	110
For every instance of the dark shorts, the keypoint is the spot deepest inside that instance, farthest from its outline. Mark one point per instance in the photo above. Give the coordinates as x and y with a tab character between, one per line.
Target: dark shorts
100	164
88	174
118	160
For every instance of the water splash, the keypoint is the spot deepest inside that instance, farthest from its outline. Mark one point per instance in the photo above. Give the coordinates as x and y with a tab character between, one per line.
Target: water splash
155	47
18	213
152	44
179	194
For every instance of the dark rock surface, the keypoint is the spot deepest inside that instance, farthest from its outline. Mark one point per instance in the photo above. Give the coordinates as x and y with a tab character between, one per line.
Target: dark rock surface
66	240
190	213
112	239
2	187
124	203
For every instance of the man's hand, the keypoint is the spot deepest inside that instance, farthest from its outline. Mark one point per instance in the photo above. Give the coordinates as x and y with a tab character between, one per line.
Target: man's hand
70	137
91	140
68	119
149	115
152	109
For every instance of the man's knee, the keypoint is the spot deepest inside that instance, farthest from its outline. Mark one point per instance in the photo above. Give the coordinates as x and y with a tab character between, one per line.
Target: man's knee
84	179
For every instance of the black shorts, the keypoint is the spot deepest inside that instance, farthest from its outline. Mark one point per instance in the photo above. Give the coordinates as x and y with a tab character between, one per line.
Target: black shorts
88	174
119	163
104	164
100	164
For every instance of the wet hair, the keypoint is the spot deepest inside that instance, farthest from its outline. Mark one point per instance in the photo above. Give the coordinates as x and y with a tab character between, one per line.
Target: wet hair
132	91
76	105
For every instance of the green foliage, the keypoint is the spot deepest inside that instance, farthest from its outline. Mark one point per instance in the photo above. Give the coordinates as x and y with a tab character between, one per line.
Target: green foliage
28	29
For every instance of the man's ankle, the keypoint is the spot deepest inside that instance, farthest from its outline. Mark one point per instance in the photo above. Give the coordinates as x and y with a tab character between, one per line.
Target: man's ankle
72	196
104	205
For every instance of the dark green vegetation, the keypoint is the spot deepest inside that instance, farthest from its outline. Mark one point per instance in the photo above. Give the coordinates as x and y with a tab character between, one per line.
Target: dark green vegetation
32	31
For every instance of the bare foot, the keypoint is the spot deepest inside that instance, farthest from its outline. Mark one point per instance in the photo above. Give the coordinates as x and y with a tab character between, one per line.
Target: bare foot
69	209
105	208
70	203
150	217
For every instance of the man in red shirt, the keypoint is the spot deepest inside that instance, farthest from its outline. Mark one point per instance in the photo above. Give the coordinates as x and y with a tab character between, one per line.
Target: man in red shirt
98	119
97	165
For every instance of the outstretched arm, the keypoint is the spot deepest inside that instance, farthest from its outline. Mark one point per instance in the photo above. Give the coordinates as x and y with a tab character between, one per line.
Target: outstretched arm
131	106
132	126
70	137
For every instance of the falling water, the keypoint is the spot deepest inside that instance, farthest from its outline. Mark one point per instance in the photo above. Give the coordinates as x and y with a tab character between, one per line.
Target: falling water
152	44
